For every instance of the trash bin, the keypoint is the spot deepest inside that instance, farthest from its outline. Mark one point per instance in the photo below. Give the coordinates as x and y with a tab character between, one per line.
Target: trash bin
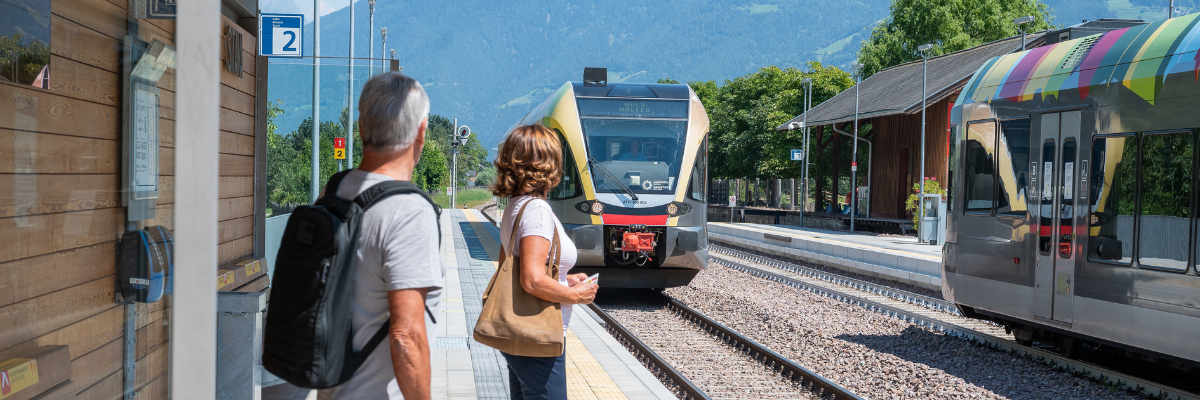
933	224
239	344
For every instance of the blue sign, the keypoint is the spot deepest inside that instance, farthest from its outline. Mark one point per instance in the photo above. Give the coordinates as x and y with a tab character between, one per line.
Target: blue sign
281	35
797	155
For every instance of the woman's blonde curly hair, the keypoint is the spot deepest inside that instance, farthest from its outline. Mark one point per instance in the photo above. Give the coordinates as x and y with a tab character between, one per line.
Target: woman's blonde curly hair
529	163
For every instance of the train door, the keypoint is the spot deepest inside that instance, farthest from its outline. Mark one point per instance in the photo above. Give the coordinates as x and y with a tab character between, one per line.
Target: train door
1057	175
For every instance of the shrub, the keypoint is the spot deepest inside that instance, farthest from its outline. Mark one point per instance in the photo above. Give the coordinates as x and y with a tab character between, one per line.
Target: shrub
931	187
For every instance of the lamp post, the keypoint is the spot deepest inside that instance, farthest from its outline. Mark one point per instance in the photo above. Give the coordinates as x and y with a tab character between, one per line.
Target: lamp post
1171	9
804	184
316	102
854	158
383	49
924	49
371	40
350	95
1020	22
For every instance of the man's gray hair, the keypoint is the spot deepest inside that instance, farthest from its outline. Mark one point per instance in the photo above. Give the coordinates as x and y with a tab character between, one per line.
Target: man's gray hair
389	119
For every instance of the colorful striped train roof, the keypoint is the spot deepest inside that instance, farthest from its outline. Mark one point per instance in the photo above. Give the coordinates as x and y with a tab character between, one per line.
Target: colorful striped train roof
1138	57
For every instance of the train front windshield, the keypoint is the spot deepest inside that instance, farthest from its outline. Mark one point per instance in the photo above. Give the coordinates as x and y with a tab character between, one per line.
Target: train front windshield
637	144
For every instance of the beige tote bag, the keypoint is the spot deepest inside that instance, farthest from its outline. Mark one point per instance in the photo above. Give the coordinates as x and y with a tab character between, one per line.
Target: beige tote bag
514	321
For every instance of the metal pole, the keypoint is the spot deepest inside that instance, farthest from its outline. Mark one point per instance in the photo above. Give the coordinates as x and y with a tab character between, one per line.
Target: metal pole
454	165
316	102
383	49
807	135
924	80
371	38
350	96
854	157
1171	10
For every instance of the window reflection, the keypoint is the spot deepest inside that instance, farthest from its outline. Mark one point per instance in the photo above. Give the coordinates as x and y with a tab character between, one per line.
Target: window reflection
1111	198
979	167
1014	169
1166	200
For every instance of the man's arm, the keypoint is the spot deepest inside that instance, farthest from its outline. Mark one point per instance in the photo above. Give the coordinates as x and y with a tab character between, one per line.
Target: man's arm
410	347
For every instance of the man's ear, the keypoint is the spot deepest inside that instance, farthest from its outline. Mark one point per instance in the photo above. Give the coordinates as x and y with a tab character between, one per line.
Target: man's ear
419	141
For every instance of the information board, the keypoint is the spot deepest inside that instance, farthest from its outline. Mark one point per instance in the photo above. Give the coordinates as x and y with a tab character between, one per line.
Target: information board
145	145
797	154
281	35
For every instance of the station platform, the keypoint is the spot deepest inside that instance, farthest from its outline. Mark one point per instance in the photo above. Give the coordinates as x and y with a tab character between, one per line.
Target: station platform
598	367
897	258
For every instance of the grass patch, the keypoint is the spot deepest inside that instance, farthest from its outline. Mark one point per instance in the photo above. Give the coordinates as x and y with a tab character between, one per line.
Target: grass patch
466	197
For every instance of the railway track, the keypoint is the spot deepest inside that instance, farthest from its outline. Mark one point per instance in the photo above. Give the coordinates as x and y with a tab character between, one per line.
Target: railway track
934	314
721	362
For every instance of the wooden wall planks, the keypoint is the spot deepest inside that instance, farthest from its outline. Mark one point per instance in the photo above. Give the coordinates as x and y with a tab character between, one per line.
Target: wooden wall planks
35	276
44	153
60	149
42	111
32	194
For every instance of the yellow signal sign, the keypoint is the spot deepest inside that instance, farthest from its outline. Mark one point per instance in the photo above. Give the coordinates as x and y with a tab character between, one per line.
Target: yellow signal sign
339	154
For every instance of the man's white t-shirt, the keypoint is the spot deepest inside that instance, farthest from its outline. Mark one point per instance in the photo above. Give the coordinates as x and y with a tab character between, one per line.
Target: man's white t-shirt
397	249
539	220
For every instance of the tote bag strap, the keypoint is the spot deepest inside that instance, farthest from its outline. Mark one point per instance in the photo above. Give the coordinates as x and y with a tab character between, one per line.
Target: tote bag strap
516	226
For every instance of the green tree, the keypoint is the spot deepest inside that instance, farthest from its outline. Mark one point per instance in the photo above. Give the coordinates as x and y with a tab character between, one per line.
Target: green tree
950	25
30	58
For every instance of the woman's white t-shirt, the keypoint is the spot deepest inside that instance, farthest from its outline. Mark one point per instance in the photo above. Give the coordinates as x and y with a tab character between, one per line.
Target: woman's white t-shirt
539	220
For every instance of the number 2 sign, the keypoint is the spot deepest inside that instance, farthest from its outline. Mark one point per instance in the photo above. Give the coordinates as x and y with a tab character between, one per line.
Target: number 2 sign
281	35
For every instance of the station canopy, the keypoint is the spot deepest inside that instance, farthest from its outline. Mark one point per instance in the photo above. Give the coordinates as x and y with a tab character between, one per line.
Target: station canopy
897	90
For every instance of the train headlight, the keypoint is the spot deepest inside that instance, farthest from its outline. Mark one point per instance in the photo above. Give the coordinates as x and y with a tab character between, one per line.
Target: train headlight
597	208
672	209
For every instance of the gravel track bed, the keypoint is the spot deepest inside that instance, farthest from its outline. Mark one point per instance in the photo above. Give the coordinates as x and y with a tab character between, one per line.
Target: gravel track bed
871	354
721	371
937	294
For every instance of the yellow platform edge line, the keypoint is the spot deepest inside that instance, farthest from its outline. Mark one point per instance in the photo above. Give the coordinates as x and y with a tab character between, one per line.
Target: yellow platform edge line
586	379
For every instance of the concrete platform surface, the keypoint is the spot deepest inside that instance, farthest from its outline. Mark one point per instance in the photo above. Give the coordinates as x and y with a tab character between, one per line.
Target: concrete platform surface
598	367
900	259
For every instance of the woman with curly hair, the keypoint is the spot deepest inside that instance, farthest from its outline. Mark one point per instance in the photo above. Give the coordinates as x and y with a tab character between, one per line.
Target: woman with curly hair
528	166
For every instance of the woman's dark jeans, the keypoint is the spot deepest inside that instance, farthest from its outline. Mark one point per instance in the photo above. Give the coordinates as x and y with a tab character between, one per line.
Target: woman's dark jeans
537	378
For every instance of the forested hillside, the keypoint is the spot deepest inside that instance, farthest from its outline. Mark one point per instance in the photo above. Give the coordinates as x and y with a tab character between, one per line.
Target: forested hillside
487	63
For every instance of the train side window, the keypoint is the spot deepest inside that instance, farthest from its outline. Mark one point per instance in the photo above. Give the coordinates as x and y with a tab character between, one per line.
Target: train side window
979	167
698	181
1112	198
569	186
1013	169
1166	198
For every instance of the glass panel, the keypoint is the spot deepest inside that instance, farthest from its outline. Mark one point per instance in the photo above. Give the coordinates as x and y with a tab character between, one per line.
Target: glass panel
1045	221
1066	209
643	155
980	168
1112	201
569	186
1014	169
1166	200
699	181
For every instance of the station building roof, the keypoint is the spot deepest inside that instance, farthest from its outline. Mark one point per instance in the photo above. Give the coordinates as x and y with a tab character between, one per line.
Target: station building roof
897	90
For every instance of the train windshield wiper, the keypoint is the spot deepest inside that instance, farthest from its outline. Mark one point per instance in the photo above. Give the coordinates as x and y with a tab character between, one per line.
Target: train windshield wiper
610	175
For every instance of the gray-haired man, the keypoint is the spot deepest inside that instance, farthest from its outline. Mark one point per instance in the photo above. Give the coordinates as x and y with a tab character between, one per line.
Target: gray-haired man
399	271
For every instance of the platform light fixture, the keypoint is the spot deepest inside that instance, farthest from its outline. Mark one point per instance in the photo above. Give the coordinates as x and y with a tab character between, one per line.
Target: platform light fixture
1020	22
924	50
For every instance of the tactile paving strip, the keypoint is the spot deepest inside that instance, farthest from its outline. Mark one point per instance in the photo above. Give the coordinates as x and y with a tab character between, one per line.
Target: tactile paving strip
475	271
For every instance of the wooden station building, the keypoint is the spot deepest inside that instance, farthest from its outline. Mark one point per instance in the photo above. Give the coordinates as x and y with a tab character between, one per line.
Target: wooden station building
890	102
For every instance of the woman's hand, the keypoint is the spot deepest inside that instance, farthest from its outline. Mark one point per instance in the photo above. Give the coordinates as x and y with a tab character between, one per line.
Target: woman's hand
585	292
574	279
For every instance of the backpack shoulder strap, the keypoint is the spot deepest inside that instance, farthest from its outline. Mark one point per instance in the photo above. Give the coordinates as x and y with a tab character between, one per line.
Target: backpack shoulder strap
335	181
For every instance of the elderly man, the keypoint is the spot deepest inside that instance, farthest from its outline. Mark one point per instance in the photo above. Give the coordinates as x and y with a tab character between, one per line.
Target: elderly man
399	273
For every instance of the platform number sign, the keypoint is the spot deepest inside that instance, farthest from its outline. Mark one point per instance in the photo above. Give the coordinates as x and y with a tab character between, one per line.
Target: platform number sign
282	35
797	155
339	148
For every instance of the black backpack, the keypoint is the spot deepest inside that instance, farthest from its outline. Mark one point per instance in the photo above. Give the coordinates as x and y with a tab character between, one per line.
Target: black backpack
308	336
